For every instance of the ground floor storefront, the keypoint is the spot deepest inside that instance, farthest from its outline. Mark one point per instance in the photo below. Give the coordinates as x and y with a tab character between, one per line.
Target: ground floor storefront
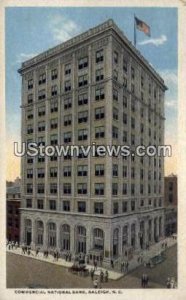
100	239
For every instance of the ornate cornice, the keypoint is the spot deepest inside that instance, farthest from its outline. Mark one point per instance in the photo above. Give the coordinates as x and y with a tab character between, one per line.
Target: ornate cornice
109	24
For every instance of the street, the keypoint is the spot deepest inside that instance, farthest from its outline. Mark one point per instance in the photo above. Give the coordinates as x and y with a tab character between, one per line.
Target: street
25	272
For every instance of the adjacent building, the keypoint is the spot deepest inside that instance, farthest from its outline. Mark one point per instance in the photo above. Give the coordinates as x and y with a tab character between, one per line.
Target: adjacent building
96	87
170	204
13	203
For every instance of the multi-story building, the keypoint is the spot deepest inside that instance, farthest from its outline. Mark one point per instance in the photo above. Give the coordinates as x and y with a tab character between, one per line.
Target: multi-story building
13	203
170	204
96	87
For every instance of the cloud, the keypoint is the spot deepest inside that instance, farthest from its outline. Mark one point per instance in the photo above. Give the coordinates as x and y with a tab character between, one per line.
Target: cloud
63	28
24	56
170	103
170	77
156	42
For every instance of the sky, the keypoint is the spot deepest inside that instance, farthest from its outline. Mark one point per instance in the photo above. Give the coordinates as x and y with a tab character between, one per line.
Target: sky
30	31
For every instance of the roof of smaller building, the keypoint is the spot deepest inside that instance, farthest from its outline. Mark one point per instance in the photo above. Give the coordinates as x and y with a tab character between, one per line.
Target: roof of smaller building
13	190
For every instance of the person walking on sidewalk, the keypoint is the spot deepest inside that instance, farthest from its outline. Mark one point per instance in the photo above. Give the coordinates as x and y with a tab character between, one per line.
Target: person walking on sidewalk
95	283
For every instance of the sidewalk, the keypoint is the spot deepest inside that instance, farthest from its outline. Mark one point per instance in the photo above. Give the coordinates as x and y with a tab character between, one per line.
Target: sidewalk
113	274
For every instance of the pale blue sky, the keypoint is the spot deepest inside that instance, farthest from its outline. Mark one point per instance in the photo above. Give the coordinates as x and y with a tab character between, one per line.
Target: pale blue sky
30	31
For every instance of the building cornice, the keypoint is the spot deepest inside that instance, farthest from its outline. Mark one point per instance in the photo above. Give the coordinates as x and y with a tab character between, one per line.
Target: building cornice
109	24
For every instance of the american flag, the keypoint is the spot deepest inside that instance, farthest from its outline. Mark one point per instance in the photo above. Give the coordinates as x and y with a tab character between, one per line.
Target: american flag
142	26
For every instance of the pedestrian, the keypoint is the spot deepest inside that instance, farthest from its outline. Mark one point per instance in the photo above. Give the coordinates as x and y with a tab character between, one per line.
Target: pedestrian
168	284
95	283
9	246
146	280
106	276
37	251
143	281
16	245
112	264
96	264
92	274
127	266
101	276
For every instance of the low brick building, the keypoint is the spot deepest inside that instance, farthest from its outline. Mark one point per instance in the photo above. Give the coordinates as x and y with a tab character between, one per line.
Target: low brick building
13	216
170	204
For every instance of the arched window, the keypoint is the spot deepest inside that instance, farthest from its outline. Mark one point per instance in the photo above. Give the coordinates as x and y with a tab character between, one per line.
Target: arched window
40	232
65	237
52	234
116	242
81	239
98	236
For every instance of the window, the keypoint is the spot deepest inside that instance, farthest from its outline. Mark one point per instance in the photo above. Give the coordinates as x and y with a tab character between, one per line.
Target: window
115	113
114	132
99	94
124	188
41	94
132	123
132	88
52	204
28	203
115	208
40	188
99	170
99	188
82	134
132	189
40	173
30	98
133	105
115	57
66	205
67	171
99	56
82	188
99	113
41	126
125	136
141	189
67	120
29	129
53	139
133	204
115	170
98	207
67	137
42	78
67	103
132	73
67	188
114	189
125	66
54	74
124	118
115	95
40	204
81	206
125	101
83	99
41	159
99	132
53	188
82	80
124	82
81	154
30	114
67	85
67	69
82	170
141	174
54	90
29	188
124	171
30	84
53	106
53	172
83	63
132	139
41	141
115	75
124	206
54	157
83	116
99	75
53	123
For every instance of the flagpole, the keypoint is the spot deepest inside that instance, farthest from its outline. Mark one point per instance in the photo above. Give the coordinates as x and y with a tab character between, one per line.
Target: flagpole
134	31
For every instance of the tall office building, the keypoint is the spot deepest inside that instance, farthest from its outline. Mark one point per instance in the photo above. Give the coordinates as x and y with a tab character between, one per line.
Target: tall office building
96	87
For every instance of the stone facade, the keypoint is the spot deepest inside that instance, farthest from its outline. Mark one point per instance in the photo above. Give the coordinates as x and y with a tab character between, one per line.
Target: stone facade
95	88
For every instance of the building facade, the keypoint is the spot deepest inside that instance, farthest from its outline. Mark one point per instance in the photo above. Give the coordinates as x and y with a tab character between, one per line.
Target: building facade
94	88
170	204
13	203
